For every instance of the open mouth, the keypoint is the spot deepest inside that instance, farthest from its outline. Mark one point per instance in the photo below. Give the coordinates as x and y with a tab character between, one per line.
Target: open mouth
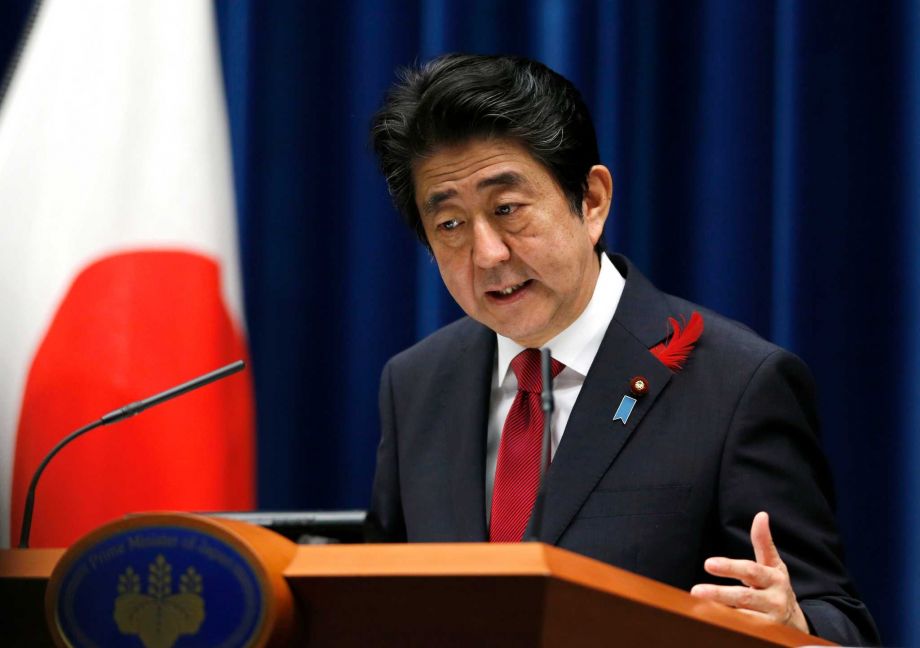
510	292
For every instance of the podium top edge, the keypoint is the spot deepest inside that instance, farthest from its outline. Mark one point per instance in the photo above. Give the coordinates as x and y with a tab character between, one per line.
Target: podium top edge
29	563
529	559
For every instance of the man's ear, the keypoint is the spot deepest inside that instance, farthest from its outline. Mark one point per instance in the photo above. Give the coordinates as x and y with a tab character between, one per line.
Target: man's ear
596	204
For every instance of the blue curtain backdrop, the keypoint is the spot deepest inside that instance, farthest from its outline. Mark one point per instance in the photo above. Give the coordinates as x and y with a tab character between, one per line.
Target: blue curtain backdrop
766	158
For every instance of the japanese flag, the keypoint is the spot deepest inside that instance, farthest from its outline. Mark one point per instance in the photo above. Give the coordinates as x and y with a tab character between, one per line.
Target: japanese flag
119	271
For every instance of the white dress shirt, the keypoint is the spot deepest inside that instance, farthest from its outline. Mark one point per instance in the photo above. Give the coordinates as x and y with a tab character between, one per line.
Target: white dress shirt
575	347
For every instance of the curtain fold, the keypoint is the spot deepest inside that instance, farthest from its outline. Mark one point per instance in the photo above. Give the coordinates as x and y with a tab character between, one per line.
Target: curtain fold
908	316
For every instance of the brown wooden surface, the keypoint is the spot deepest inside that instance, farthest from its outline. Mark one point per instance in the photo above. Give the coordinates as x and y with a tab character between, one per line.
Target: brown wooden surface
451	595
509	595
24	577
28	563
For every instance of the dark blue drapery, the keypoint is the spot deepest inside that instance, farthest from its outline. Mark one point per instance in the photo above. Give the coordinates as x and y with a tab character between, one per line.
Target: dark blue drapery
766	160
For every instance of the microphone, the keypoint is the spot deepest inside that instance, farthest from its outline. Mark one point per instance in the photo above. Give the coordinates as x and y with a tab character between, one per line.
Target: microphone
547	405
113	417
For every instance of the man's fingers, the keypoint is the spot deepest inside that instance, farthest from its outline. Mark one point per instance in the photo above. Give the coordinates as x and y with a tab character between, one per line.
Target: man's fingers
764	550
738	596
768	591
747	571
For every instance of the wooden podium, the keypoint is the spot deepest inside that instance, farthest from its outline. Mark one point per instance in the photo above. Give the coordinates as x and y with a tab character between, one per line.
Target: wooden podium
425	595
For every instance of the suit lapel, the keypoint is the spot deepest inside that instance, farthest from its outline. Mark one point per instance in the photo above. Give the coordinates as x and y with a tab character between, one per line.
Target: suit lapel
592	439
464	416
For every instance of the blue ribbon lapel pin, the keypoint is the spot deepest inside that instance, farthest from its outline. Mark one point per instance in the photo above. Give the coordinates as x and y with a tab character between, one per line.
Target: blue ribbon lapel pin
625	409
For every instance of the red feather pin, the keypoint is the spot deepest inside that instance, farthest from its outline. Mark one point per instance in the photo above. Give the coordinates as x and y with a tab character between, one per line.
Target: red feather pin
673	354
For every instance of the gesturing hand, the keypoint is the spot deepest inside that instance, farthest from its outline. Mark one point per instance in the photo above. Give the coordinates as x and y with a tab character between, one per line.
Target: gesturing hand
766	592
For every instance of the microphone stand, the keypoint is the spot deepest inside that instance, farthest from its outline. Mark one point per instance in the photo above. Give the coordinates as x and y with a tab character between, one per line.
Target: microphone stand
113	417
547	405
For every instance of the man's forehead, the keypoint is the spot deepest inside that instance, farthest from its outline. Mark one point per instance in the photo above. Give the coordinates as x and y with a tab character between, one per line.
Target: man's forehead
503	161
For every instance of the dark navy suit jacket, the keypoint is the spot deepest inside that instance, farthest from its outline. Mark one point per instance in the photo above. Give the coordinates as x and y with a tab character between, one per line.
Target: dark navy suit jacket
734	432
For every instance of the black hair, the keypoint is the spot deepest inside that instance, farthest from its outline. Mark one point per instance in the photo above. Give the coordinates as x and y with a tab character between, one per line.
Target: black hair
458	97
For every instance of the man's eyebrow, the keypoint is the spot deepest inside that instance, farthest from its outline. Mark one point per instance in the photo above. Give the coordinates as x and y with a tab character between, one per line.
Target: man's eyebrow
435	199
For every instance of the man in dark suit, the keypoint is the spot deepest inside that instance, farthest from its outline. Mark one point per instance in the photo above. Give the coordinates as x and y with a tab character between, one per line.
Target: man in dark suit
669	438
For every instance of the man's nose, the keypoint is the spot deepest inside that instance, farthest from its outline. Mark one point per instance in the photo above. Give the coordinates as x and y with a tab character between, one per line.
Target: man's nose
489	249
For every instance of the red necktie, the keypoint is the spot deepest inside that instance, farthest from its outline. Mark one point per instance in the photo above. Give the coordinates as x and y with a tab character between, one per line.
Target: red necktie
517	473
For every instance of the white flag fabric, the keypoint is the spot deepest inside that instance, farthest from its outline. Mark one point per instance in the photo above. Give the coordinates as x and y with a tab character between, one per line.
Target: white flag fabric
119	272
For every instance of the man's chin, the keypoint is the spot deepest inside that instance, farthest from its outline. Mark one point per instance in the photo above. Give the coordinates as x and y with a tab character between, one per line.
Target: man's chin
530	337
520	322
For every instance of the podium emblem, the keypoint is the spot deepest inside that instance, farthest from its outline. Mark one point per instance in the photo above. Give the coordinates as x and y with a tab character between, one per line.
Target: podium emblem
158	585
159	616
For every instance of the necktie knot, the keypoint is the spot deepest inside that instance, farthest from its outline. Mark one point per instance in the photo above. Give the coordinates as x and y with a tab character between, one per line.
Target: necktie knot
526	366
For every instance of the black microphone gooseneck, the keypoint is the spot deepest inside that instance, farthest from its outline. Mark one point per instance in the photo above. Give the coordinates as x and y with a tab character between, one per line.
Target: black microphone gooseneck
547	405
112	417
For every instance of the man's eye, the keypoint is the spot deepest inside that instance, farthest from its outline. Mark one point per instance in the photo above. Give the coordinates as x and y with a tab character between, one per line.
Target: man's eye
449	225
504	210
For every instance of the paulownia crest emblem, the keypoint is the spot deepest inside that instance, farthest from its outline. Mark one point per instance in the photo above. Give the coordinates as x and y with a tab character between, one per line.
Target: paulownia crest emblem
159	616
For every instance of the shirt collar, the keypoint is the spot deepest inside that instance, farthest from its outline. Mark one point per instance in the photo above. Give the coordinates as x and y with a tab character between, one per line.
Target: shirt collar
576	346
